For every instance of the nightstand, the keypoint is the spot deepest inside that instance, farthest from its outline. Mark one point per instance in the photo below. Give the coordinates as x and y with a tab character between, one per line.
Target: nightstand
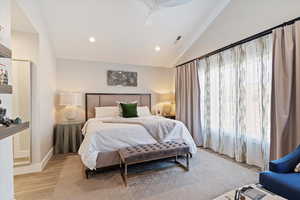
170	116
67	137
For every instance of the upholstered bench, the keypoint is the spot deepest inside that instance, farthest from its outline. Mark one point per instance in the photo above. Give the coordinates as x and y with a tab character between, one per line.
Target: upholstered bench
151	152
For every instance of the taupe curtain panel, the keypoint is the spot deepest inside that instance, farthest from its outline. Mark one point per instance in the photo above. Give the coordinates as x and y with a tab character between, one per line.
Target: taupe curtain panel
188	99
285	106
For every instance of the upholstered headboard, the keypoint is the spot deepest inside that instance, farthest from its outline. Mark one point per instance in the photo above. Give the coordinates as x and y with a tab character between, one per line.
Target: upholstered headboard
93	100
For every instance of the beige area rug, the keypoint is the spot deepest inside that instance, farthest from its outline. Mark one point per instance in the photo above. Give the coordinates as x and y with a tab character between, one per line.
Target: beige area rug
210	176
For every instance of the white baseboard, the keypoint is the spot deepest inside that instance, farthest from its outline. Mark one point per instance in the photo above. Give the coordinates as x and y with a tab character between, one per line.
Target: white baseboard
46	159
21	154
36	167
33	168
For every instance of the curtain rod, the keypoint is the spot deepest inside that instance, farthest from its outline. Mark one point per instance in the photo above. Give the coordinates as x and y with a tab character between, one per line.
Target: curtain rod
248	39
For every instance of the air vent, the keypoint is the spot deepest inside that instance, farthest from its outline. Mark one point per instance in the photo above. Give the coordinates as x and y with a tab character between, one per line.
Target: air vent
178	39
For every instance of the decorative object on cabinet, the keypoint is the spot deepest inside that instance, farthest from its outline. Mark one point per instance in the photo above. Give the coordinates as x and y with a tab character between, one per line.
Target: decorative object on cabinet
67	137
7	121
2	112
122	78
4	87
71	100
4	51
3	77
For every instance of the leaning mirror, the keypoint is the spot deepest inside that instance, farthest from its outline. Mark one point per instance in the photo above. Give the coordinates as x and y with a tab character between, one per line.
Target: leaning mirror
21	99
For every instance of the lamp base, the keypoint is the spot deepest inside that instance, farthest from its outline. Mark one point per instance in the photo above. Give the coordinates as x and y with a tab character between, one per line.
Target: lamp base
70	113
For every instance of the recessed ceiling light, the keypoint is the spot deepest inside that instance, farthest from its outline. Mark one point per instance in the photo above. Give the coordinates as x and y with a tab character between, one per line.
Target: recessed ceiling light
92	39
157	48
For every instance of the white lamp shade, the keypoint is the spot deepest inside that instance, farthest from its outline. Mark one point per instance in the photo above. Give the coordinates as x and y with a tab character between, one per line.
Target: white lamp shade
167	97
70	99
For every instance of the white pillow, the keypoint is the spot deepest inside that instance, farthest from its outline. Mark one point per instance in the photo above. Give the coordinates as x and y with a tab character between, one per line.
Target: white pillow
143	111
107	111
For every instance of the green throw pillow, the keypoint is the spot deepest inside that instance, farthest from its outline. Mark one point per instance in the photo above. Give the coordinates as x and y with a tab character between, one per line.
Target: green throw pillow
129	110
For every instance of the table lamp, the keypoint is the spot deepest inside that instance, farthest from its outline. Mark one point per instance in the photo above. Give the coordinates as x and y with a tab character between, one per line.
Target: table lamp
167	100
70	100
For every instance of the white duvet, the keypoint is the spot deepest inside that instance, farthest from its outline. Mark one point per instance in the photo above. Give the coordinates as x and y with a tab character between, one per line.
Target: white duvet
107	137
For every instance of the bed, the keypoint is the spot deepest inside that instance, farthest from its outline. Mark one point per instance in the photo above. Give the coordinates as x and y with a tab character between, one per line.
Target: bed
103	139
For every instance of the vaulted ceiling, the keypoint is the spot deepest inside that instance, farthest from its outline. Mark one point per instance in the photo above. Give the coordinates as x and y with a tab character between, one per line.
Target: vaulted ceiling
121	32
19	21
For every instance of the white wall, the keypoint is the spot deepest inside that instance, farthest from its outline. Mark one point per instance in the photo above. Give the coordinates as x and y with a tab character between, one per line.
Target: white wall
44	76
85	76
241	19
25	46
6	156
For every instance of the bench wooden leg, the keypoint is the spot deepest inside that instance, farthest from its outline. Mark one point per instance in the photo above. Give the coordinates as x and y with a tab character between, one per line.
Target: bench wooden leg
187	161
187	166
89	173
123	169
125	173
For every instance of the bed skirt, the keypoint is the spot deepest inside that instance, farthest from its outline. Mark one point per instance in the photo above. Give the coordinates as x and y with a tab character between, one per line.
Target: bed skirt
107	159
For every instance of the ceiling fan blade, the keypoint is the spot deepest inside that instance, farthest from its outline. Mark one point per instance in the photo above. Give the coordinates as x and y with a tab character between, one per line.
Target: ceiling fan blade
156	5
173	3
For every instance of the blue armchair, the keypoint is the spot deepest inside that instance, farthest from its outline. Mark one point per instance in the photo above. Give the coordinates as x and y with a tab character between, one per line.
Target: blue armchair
281	179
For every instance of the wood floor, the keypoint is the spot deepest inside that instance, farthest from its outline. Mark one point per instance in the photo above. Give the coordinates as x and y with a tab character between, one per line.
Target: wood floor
39	185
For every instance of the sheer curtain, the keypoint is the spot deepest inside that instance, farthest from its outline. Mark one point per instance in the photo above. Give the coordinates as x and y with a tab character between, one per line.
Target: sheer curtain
235	101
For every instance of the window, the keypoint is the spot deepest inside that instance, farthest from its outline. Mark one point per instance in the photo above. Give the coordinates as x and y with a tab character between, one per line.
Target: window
235	101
